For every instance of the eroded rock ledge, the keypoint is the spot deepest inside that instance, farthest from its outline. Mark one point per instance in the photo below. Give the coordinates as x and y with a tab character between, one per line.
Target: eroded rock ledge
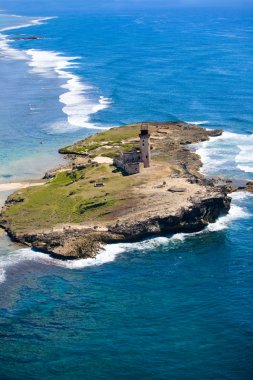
86	242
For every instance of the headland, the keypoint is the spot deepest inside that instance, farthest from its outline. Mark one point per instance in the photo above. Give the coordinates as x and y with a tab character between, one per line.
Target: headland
118	186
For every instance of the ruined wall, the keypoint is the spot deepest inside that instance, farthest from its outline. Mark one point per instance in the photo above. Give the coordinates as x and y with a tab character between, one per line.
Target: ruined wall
128	168
132	168
131	157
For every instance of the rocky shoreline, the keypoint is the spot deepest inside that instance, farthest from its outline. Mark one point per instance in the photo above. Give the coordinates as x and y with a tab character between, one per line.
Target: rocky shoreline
71	243
148	205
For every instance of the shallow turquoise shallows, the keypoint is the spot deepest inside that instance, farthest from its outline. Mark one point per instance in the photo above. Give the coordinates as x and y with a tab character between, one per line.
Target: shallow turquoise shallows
170	307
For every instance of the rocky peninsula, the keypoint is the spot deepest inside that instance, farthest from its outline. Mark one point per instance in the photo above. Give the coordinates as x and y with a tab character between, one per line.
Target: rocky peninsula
89	202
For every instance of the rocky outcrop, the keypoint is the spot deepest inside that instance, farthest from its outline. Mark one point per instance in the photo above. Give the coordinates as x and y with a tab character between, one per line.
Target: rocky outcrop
27	38
249	187
192	219
85	243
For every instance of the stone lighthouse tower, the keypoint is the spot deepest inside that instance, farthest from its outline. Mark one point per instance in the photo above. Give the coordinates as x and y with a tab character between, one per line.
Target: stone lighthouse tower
145	145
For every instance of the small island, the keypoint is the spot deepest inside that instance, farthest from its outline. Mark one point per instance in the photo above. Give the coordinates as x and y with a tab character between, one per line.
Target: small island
120	185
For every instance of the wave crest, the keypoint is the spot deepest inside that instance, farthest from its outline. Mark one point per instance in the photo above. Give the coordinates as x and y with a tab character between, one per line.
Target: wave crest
230	151
79	100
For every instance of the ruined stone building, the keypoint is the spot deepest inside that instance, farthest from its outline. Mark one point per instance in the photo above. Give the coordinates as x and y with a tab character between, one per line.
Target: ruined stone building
130	162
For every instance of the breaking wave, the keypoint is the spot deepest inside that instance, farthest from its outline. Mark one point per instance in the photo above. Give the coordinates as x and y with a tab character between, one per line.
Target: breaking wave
107	255
229	152
204	122
27	254
79	100
111	251
38	21
78	106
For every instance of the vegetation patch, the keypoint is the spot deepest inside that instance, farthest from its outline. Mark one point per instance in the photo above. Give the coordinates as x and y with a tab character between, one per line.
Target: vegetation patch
69	197
92	204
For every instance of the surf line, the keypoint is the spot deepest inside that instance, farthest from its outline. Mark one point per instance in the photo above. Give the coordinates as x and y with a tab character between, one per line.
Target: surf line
37	21
78	104
231	149
112	251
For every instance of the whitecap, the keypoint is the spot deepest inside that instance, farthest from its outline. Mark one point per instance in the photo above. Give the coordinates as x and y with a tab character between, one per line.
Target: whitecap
235	213
112	251
204	122
27	254
106	255
241	195
244	158
230	151
78	105
2	275
37	21
245	168
79	100
246	153
7	51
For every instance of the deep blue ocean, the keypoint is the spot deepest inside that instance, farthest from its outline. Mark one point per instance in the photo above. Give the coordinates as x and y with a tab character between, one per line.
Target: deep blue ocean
169	308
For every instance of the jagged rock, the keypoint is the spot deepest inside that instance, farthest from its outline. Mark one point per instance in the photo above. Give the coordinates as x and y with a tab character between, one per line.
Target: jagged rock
177	189
85	243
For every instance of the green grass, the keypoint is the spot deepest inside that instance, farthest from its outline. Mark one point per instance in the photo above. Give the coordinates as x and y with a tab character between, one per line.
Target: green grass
112	137
116	135
79	149
64	201
70	197
115	151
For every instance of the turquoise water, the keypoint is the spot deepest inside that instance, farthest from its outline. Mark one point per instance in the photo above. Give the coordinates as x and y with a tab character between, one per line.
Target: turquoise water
167	308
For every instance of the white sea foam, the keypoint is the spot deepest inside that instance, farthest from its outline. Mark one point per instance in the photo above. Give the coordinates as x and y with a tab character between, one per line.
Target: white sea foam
2	275
79	99
111	251
107	255
78	105
235	213
246	152
244	159
229	151
9	52
204	122
27	254
245	168
38	21
241	195
151	243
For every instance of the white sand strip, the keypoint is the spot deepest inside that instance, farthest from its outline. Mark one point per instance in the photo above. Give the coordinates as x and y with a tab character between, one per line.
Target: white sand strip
18	185
103	160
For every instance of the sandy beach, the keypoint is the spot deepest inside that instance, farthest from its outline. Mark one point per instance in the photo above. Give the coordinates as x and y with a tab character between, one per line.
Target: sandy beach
18	185
7	188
